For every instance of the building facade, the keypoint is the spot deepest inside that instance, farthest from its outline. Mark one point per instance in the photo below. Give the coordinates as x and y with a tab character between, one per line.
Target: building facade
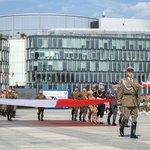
65	59
4	63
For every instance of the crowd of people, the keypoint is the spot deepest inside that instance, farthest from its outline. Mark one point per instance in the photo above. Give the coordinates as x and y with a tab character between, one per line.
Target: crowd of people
8	111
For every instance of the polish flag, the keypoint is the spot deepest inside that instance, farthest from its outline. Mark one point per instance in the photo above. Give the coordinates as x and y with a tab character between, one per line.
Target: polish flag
146	84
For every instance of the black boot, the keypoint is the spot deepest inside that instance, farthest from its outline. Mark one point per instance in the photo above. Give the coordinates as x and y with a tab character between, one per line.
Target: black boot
75	119
133	130
80	116
114	124
14	114
122	128
108	120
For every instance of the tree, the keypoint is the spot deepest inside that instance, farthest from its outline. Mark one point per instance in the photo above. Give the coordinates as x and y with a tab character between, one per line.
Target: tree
1	35
23	35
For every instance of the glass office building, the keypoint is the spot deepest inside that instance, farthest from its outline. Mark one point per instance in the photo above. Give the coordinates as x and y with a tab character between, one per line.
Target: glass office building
69	58
4	63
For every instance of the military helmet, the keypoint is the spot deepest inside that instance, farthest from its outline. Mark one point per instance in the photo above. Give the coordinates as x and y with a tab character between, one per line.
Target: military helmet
130	69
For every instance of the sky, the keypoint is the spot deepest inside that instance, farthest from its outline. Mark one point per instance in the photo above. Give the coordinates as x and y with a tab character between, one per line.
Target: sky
90	8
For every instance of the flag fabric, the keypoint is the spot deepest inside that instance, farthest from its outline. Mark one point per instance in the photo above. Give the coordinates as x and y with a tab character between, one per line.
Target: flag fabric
146	84
53	103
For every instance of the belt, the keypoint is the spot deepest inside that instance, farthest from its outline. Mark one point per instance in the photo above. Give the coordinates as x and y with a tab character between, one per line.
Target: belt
129	94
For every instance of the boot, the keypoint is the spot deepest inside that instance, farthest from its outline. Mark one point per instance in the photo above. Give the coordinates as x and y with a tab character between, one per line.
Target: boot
133	130
122	128
114	124
38	117
75	119
80	116
108	119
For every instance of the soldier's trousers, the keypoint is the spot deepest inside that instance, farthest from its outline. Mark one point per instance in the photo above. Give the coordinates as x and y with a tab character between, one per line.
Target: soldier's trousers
113	110
41	112
74	111
129	111
145	108
83	111
92	113
101	110
9	112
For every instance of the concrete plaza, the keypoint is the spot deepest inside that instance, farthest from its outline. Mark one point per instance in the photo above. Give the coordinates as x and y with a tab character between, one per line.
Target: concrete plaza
58	132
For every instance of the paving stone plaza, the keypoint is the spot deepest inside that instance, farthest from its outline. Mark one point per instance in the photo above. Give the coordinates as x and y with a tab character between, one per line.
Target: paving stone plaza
58	132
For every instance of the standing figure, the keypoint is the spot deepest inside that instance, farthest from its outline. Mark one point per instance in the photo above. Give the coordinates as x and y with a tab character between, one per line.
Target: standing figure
92	109
128	96
15	107
40	113
100	94
83	110
75	95
111	93
9	109
4	107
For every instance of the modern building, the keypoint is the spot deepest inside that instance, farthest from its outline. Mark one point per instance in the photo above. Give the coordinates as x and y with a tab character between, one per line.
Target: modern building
63	51
4	63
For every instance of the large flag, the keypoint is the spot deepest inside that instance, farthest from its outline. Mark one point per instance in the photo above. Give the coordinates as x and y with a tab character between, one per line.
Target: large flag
146	84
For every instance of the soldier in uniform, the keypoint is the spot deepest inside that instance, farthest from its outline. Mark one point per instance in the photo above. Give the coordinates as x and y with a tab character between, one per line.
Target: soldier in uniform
4	107
9	110
100	94
141	108
83	110
128	96
75	95
15	107
92	109
111	93
146	105
40	113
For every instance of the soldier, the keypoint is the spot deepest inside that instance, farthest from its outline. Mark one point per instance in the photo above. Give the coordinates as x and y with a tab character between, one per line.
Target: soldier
75	95
111	93
4	107
141	108
9	110
83	110
40	113
128	96
100	94
92	108
15	107
146	105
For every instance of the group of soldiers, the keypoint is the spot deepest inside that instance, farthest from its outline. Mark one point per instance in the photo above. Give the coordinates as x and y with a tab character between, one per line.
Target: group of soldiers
95	112
8	111
127	97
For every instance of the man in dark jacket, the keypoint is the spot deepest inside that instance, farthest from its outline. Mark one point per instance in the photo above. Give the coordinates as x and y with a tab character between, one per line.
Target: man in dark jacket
111	93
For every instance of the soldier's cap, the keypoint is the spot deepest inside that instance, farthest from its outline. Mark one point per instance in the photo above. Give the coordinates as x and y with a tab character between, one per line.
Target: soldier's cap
101	84
114	82
130	69
94	85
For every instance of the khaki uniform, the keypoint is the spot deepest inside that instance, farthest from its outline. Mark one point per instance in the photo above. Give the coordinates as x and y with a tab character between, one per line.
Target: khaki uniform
128	95
92	108
74	112
4	107
83	110
40	109
9	110
15	107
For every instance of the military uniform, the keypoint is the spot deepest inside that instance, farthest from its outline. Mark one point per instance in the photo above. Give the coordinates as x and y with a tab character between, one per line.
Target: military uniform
141	108
74	112
111	93
15	107
40	109
128	96
9	110
83	110
92	108
100	94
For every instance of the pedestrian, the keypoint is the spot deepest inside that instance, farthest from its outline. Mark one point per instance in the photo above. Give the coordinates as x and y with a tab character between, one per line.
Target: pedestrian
75	95
83	110
128	96
92	109
111	93
100	94
40	96
9	109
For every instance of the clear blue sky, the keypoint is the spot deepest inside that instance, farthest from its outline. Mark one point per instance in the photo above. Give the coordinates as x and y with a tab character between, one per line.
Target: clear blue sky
91	8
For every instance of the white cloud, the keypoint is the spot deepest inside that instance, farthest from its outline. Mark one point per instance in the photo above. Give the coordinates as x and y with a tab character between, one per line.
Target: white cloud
140	10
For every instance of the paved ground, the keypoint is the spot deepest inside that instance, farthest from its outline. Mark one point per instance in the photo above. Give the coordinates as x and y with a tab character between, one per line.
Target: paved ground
58	132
